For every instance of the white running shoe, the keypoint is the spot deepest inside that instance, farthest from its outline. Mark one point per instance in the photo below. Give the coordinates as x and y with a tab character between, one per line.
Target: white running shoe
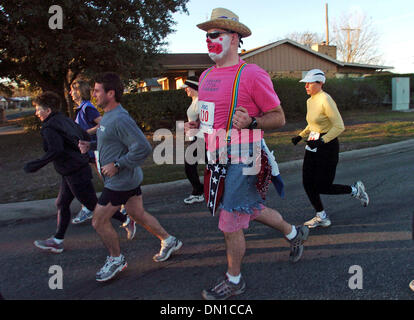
49	245
296	244
83	215
318	222
361	195
192	198
167	249
224	289
111	268
130	228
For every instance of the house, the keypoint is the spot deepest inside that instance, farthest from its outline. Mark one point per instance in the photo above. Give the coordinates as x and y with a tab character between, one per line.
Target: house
285	58
3	102
176	67
17	102
291	59
151	84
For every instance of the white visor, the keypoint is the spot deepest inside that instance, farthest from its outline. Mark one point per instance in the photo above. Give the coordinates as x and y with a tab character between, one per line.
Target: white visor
314	75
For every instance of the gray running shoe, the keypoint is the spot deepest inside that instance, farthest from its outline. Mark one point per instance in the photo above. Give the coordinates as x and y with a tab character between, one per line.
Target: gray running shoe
361	195
110	269
224	289
130	228
296	244
49	245
192	198
318	222
83	215
167	249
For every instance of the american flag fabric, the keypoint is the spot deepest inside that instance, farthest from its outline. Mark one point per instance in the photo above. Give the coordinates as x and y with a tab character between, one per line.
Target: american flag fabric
214	176
264	176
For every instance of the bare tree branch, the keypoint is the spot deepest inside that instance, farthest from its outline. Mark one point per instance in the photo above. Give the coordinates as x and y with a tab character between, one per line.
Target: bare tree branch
306	38
356	39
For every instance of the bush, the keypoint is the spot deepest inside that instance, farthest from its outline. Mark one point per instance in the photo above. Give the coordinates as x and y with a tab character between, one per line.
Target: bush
159	109
348	93
30	123
292	95
385	81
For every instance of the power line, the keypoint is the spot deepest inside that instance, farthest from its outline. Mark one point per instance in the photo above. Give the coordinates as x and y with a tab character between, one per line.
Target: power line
348	41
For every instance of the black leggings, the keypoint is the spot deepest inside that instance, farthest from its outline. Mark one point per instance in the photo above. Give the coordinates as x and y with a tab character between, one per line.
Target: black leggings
191	170
78	185
318	173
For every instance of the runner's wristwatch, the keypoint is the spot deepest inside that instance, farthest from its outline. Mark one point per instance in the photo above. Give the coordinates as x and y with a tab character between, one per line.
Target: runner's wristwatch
253	124
116	164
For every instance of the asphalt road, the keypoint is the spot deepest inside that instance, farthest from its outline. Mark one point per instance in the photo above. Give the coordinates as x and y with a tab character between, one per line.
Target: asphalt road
376	238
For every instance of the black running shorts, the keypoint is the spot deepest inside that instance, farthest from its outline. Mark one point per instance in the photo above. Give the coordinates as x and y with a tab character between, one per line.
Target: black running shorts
117	198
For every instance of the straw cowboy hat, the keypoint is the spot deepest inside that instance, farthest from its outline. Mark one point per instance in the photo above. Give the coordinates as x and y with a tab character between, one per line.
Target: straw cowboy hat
225	19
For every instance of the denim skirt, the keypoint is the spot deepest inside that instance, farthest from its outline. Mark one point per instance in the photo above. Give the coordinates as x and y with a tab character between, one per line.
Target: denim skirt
240	193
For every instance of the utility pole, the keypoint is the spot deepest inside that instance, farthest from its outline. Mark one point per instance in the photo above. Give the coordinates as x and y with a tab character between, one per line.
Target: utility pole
327	24
348	42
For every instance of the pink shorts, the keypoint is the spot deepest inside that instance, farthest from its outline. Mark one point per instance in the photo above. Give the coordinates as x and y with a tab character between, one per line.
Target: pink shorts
235	221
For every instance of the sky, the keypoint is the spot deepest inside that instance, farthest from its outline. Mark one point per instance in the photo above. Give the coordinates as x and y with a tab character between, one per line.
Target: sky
272	20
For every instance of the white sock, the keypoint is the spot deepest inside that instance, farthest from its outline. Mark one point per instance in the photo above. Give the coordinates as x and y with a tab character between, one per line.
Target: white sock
117	259
321	214
292	233
126	222
233	279
168	240
58	241
354	191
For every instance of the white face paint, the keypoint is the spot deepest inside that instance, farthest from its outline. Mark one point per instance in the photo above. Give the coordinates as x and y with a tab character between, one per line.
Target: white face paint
218	48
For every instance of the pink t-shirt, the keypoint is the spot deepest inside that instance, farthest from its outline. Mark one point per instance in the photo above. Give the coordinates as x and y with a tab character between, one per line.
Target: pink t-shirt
256	94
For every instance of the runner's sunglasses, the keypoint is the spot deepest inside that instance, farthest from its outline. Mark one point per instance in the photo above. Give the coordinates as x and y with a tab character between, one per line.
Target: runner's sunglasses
216	34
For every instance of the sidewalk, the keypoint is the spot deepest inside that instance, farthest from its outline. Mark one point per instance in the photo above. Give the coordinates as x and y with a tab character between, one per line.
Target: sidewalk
46	208
11	129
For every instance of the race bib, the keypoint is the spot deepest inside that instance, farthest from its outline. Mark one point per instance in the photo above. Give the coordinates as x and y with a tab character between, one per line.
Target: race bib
312	137
206	116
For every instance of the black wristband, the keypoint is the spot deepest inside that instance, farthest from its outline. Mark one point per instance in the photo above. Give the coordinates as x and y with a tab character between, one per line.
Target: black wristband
253	124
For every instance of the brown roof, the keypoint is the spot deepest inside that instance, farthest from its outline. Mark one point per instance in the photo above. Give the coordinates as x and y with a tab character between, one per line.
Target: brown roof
185	60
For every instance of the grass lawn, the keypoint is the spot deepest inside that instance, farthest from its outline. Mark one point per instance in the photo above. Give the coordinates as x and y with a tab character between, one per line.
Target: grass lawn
363	129
18	110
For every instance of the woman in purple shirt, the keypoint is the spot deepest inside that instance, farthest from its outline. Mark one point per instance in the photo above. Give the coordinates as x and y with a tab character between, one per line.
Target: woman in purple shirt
88	117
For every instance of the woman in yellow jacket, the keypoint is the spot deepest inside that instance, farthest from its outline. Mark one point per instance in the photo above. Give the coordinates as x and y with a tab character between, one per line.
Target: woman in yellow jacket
322	149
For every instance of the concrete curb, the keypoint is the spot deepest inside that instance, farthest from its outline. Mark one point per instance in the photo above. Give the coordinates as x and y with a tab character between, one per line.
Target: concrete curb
46	208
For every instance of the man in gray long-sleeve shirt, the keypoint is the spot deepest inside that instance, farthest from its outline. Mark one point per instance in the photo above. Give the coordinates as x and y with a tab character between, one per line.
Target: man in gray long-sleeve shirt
121	147
121	140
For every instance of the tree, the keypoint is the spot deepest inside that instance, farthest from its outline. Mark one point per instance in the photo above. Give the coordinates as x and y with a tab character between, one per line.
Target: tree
118	35
356	39
306	38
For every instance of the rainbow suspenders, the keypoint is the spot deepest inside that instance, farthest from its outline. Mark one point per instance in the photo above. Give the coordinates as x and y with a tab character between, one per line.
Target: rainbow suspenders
214	174
234	96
